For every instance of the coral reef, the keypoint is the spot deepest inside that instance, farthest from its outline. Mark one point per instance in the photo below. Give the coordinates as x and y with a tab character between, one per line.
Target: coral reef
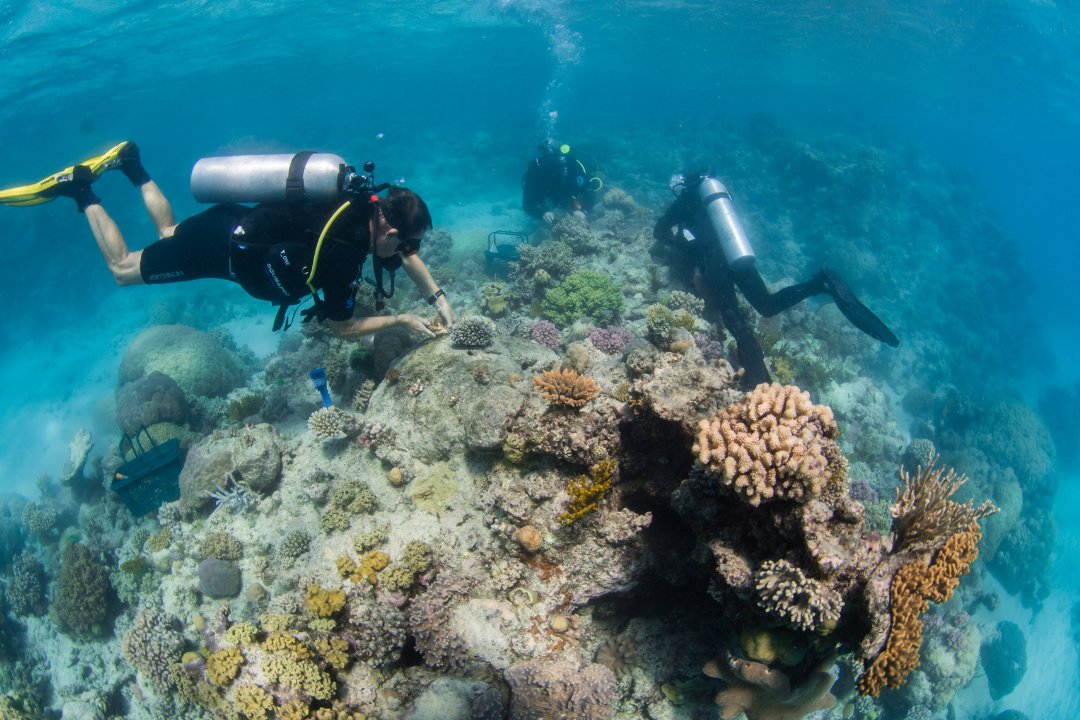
566	387
545	333
196	361
923	514
544	689
154	647
784	591
764	693
332	423
25	588
775	444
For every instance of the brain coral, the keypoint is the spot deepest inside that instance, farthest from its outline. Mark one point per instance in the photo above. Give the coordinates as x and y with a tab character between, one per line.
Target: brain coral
198	362
151	399
772	444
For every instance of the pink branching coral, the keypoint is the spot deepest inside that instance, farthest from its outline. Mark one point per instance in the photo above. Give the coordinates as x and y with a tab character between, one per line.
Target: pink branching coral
772	444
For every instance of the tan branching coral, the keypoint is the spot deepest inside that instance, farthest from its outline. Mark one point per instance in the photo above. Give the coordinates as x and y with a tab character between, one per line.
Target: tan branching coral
772	444
923	514
566	387
784	591
914	587
332	423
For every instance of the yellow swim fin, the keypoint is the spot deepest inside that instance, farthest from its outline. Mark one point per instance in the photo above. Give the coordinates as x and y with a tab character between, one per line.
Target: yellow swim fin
45	189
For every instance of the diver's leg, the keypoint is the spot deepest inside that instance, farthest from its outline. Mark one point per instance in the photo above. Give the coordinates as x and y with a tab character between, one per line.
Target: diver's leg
720	299
159	208
770	303
123	263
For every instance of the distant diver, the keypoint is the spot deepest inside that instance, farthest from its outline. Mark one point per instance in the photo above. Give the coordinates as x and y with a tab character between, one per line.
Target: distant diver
712	241
556	180
316	222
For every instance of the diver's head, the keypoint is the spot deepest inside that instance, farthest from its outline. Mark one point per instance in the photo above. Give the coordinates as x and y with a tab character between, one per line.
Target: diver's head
402	219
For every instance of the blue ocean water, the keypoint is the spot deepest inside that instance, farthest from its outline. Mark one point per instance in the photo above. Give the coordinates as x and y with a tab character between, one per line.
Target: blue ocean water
452	98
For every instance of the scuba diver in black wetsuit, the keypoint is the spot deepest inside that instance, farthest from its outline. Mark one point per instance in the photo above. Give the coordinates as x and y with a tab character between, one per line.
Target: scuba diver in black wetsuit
712	239
315	224
556	180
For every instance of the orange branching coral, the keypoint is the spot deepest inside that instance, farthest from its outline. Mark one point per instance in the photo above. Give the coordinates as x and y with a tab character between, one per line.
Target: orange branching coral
913	588
587	491
566	387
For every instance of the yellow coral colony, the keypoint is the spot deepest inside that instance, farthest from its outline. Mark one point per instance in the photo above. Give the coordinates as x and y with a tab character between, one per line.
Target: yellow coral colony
566	387
324	603
587	491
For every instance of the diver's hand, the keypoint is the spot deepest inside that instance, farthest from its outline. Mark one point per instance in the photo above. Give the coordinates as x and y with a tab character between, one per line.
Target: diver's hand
549	217
416	324
445	311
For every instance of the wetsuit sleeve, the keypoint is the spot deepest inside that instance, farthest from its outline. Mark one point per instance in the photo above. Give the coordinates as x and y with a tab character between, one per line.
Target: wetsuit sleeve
671	217
340	283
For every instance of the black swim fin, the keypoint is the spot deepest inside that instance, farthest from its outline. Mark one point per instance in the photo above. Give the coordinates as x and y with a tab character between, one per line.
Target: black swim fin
857	314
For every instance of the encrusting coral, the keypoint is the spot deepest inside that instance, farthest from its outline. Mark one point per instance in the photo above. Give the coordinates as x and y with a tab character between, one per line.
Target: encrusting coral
914	586
772	444
566	387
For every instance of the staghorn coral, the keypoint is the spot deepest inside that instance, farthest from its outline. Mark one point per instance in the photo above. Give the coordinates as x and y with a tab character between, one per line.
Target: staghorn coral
566	387
772	444
914	586
473	331
560	689
783	590
923	514
332	423
586	491
295	544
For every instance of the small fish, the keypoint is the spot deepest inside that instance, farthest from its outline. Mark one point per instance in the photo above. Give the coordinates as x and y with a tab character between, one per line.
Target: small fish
380	136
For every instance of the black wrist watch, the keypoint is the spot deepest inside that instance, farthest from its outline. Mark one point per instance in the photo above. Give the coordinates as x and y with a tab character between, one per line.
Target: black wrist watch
435	296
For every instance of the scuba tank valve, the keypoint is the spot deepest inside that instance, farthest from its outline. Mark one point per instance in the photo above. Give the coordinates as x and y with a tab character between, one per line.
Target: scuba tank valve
729	231
308	176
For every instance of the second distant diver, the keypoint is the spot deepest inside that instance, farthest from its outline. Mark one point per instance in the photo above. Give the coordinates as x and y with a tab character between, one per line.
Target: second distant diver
282	251
701	223
556	181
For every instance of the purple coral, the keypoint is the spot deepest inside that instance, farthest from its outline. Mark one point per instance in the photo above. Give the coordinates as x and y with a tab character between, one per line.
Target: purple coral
611	340
710	349
545	333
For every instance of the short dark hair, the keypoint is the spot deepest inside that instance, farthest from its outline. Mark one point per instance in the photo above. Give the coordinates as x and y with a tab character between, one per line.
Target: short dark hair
406	211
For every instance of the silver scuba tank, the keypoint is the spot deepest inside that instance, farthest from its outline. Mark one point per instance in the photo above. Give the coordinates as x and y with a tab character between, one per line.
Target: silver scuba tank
268	178
733	241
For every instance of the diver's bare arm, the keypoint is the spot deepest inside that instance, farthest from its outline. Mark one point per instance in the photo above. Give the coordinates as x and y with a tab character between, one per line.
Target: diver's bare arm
421	277
357	328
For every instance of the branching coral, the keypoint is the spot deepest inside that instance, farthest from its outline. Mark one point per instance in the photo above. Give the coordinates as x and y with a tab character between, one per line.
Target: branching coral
913	588
473	331
332	423
586	491
783	590
772	444
923	514
566	387
154	647
82	599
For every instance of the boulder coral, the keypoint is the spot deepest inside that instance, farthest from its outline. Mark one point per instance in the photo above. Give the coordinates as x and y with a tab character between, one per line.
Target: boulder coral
198	362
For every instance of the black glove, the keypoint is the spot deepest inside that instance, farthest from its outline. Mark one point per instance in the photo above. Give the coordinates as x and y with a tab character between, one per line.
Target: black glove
661	232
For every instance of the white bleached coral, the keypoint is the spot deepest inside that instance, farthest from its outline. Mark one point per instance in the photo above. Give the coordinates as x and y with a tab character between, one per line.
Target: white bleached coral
772	444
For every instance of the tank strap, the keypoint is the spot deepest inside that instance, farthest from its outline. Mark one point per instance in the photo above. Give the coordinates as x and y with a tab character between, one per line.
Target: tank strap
715	196
294	184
